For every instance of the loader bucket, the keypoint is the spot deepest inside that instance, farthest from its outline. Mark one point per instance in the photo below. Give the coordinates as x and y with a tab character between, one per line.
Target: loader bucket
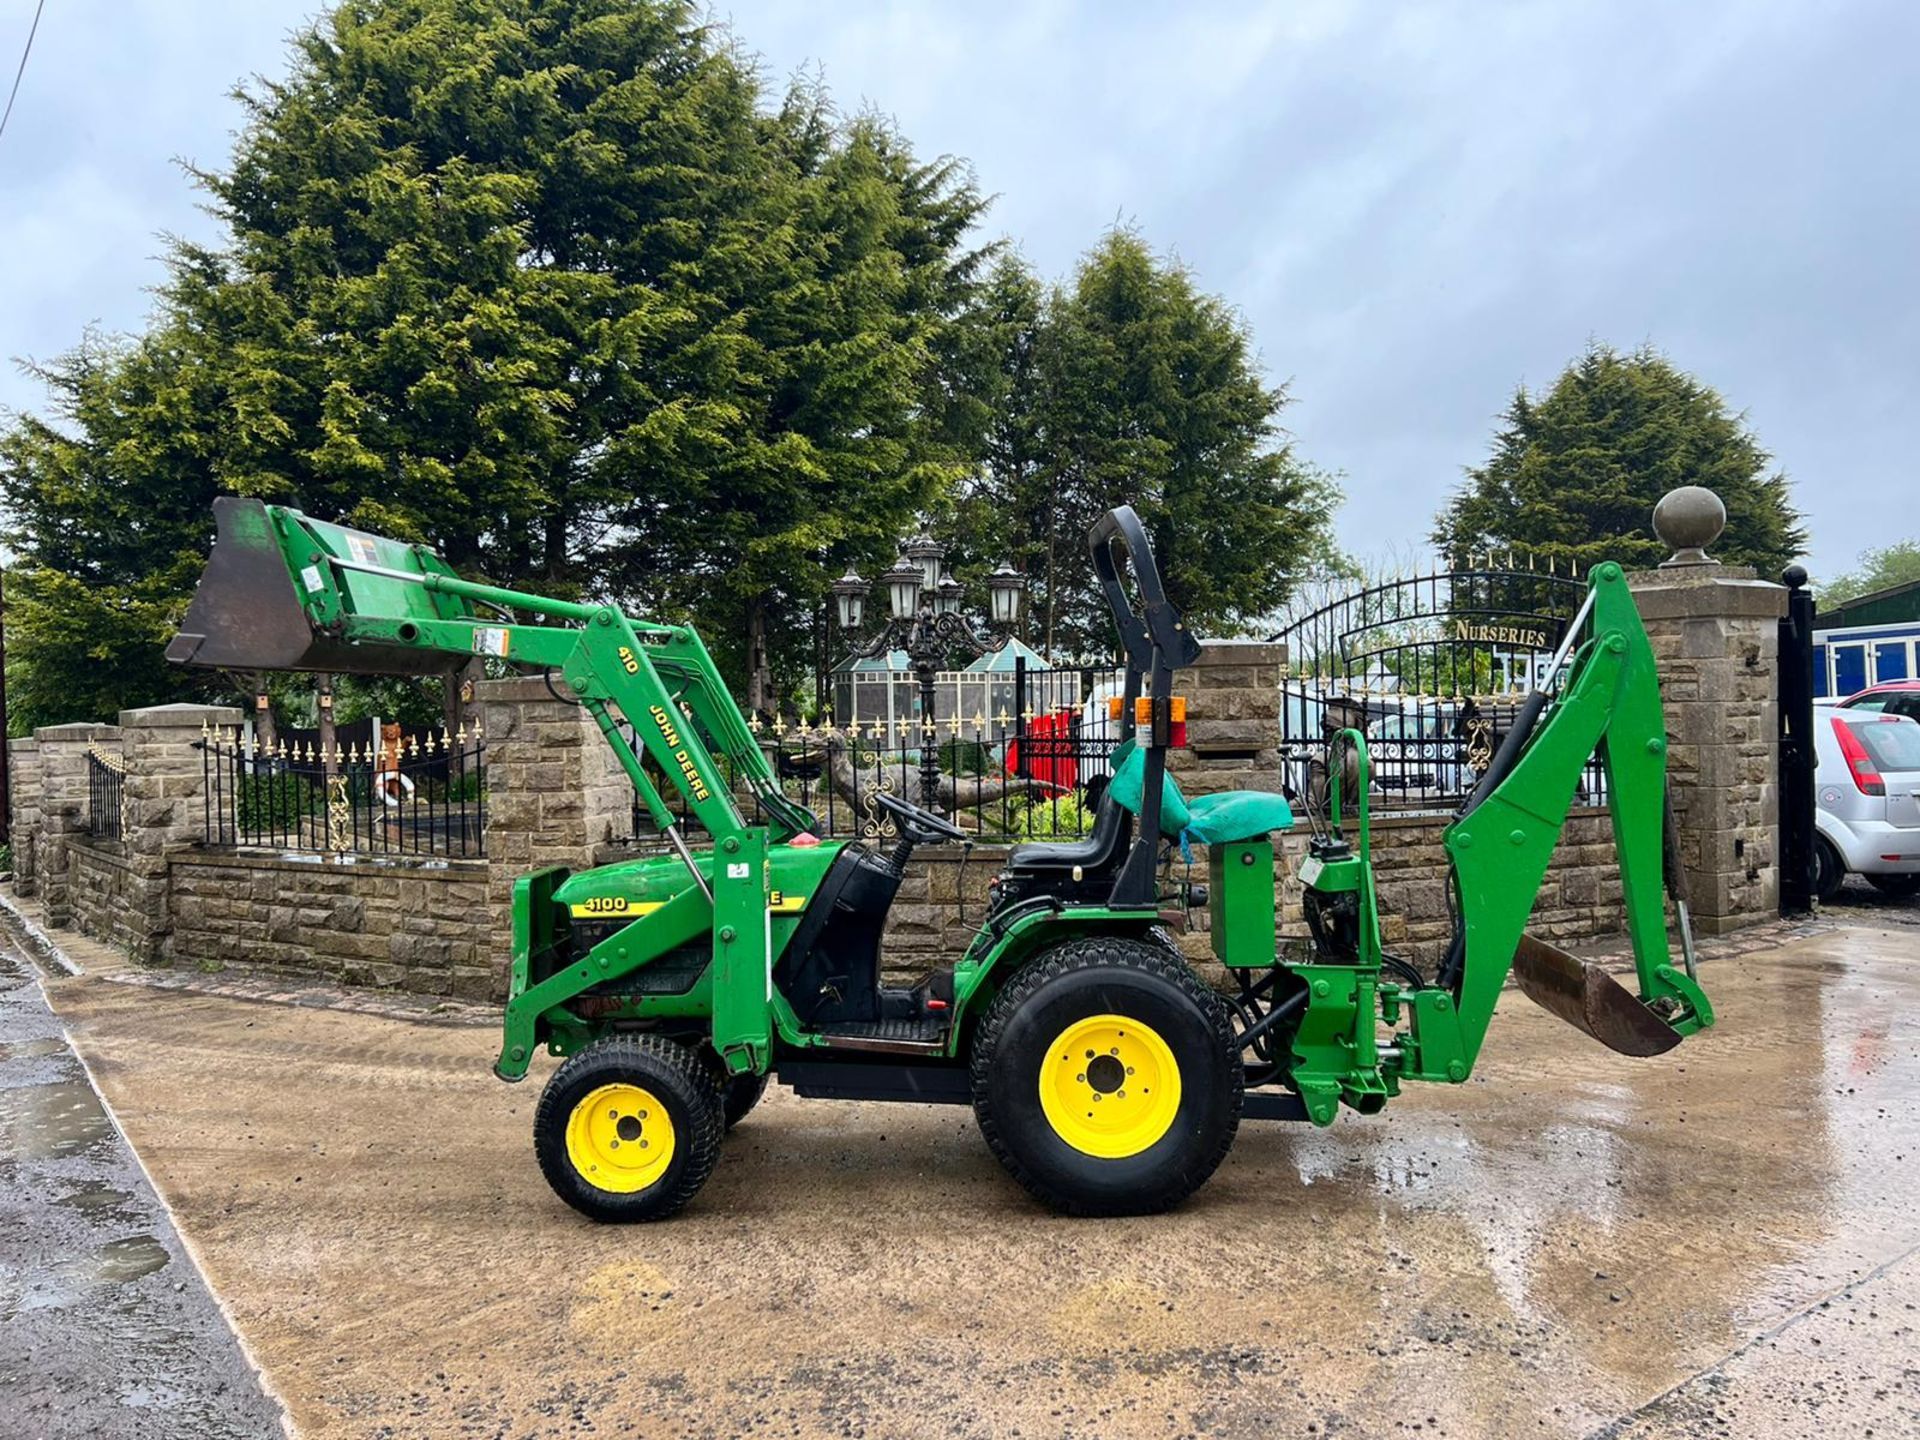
247	614
1589	999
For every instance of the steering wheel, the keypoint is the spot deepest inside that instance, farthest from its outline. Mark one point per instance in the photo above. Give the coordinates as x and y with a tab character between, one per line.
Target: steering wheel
912	818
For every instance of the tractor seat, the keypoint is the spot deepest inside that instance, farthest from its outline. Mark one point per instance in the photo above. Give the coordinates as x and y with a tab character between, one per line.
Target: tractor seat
1105	840
1217	819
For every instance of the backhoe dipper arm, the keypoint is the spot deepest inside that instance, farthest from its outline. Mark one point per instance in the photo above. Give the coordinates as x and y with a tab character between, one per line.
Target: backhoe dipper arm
1500	849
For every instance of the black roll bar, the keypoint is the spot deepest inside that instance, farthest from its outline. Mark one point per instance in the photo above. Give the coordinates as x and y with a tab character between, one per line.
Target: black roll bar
1157	643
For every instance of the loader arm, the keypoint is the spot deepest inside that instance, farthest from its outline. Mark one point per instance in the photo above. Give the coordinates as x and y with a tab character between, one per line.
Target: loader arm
283	591
1500	847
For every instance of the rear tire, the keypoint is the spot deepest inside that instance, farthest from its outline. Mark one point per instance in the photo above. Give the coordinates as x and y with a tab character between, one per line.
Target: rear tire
629	1128
1829	869
1055	1056
740	1095
1896	887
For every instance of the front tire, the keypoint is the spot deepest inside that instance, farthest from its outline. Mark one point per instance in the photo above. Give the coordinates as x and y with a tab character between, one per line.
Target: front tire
1829	870
1106	1078
629	1128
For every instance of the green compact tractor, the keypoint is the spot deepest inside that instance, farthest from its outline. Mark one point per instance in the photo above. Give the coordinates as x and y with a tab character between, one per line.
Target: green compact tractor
1105	1075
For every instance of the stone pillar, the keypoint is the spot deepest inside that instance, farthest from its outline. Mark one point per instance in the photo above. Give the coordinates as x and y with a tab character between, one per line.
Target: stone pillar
23	791
1233	743
1233	718
555	794
1715	634
63	807
166	791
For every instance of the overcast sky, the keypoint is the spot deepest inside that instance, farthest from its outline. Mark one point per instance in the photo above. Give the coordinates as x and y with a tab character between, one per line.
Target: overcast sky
1417	206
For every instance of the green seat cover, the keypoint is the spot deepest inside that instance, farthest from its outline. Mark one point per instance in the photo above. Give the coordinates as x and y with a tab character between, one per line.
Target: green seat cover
1209	819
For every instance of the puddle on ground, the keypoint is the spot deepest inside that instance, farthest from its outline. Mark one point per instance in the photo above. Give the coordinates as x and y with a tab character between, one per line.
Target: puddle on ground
32	1049
51	1122
119	1261
94	1195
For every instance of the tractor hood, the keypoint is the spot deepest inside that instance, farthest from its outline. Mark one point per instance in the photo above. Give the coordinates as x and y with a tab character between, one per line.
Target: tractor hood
632	888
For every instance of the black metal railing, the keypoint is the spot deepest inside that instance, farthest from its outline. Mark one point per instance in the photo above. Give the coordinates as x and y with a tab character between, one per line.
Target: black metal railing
423	793
1432	668
1034	775
106	795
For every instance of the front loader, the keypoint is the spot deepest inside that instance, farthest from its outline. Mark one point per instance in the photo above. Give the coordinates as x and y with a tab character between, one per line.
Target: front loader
1104	1075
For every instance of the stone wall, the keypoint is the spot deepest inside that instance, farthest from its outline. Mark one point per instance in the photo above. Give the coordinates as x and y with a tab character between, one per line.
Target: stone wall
1579	900
929	925
62	818
100	889
556	796
163	812
415	925
1233	718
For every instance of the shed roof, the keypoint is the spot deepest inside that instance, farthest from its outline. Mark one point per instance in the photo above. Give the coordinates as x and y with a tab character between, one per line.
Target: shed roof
1890	606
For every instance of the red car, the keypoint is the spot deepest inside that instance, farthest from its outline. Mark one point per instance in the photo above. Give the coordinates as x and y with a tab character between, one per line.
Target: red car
1895	697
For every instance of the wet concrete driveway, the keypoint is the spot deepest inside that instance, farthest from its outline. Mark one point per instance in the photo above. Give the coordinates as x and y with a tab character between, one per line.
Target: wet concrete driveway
106	1329
1721	1242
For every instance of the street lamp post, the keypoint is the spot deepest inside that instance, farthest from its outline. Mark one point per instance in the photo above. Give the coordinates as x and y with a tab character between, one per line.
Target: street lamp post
926	622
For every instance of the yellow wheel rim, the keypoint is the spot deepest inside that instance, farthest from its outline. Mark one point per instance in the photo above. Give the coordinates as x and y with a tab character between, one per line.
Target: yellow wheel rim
619	1138
1110	1086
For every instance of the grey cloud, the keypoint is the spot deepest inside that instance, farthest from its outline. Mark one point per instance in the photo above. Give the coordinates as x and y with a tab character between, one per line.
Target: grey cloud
1417	206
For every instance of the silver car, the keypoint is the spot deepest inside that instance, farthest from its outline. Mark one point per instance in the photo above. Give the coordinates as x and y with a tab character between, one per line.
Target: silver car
1867	789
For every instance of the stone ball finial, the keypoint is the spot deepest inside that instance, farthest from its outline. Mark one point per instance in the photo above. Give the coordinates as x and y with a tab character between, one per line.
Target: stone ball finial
1689	519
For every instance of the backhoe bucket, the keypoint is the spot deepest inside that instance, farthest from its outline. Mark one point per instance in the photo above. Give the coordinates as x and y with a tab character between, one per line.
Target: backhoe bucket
247	613
1589	999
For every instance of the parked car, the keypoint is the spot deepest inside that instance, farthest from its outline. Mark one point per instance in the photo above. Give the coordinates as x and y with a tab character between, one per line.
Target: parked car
1895	697
1867	789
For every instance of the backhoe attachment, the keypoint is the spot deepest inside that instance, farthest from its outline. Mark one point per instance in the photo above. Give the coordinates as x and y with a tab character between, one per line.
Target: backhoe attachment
1607	703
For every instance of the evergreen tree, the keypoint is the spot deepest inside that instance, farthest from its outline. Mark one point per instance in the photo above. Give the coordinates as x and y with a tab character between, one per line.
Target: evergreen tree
1146	391
1575	473
542	283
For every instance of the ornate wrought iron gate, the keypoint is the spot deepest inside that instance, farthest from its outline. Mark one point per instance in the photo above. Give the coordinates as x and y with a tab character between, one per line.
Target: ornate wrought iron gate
1431	667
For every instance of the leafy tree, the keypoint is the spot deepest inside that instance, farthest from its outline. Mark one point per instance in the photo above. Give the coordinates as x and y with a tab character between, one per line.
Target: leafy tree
1878	569
1575	473
1133	386
540	282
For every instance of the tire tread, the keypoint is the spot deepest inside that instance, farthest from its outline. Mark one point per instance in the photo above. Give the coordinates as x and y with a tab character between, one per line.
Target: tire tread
647	1056
1087	953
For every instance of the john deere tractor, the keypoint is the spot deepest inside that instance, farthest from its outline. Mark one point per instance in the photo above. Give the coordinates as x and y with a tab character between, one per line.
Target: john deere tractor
1105	1075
